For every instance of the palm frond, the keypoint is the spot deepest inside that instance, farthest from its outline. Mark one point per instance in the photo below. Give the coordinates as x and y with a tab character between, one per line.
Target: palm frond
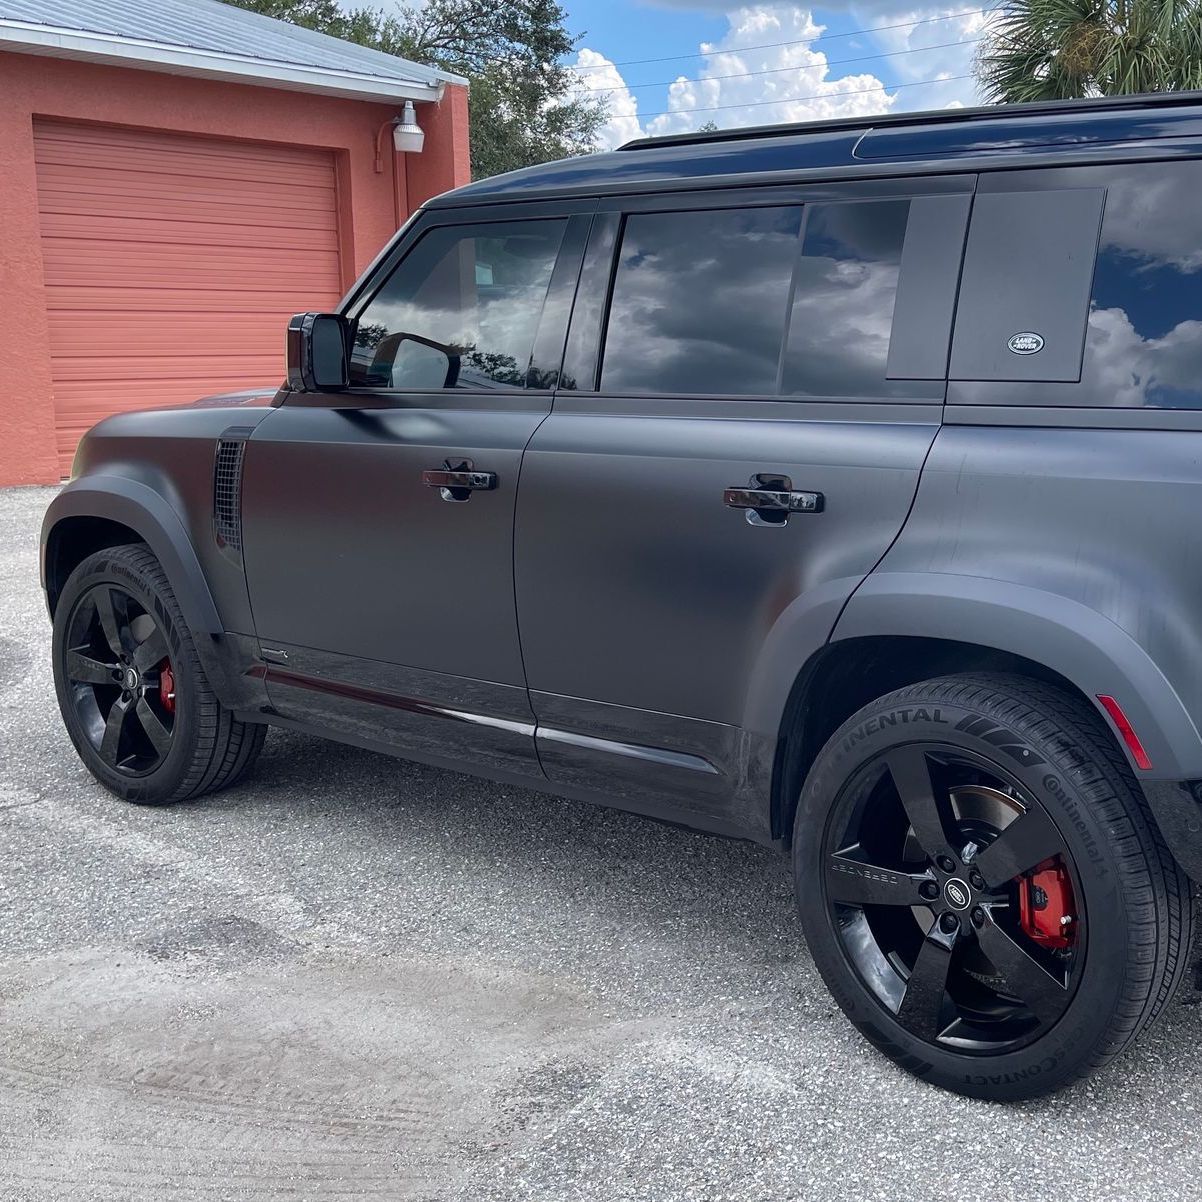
1063	49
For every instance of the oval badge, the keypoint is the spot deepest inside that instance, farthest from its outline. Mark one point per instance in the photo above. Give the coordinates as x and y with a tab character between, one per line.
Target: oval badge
1026	343
957	894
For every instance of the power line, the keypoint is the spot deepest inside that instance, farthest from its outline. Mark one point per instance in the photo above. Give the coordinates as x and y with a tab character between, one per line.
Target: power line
713	108
825	37
833	62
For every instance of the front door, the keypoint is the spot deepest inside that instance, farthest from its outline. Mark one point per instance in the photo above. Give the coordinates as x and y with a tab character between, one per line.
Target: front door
735	444
378	522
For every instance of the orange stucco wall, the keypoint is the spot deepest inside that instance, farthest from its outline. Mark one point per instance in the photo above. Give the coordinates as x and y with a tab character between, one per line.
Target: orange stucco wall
371	205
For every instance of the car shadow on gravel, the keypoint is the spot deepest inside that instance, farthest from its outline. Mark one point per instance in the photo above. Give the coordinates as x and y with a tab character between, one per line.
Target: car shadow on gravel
558	864
497	855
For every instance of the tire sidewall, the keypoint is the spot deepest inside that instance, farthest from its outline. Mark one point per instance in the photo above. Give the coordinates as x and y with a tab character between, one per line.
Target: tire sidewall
1060	779
111	567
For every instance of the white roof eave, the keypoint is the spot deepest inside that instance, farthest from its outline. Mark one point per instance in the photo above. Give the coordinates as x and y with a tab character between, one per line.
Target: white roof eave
29	38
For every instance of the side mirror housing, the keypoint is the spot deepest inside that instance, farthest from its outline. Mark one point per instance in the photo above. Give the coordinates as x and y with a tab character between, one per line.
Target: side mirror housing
317	352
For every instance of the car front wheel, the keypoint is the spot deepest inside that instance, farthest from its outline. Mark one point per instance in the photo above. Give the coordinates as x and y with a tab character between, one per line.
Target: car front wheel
132	690
983	887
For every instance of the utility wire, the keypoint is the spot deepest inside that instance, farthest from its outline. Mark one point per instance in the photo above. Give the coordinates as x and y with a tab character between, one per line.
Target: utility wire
832	62
825	37
713	108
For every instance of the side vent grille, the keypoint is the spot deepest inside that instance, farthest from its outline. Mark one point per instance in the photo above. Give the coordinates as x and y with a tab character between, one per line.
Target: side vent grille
227	489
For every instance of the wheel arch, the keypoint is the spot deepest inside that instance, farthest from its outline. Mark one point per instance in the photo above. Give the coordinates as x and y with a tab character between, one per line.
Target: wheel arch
901	628
95	512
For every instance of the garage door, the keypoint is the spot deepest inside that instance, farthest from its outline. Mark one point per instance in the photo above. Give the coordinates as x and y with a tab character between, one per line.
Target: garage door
173	264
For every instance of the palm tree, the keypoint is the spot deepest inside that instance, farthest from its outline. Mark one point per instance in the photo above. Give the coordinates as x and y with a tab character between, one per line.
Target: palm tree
1063	49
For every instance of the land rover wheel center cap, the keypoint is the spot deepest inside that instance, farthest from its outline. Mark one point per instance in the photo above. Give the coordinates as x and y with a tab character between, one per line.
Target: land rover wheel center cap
957	894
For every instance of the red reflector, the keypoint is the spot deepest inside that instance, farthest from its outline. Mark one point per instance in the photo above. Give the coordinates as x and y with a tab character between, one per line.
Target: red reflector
1125	728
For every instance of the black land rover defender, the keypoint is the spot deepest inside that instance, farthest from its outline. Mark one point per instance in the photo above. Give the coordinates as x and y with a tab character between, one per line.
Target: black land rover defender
836	487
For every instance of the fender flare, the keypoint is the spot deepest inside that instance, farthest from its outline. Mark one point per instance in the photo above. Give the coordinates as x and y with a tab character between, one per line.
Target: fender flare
1079	643
152	517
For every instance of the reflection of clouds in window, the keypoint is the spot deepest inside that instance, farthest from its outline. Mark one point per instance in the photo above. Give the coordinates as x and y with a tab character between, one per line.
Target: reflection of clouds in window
699	302
494	337
1123	368
1144	346
478	291
1155	215
842	315
839	332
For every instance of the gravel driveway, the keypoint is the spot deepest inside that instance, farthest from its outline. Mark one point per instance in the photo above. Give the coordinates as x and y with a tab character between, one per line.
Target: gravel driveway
358	977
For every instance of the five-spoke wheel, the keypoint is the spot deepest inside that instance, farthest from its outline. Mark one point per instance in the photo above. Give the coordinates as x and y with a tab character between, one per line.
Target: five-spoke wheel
932	874
134	694
121	679
983	887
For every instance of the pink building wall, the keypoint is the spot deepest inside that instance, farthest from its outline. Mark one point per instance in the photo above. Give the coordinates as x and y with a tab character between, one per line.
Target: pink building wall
371	205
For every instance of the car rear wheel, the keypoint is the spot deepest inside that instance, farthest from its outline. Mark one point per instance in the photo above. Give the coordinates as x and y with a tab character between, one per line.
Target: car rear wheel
131	688
983	887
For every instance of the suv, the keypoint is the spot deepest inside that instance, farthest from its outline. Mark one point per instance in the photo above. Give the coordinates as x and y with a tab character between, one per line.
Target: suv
835	487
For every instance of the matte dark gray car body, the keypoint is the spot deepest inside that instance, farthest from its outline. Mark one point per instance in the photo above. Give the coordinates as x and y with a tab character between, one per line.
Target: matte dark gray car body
988	429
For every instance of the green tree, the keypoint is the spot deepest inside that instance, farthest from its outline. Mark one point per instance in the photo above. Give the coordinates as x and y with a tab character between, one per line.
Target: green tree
1065	49
523	107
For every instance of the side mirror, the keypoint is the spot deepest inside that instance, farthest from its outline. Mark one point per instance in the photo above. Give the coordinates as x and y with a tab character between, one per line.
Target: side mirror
317	355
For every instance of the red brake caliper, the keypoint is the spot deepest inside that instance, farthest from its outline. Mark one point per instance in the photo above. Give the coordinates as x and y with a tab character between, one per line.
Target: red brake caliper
1046	911
167	686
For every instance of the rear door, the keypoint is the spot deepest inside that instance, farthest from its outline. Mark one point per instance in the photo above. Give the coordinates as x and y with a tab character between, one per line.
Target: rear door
378	521
752	383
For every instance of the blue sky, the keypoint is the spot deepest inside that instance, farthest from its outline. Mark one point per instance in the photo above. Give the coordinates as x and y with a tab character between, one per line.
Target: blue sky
756	63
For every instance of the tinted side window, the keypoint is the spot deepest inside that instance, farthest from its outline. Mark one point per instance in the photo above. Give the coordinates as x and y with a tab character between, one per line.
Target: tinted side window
841	318
1144	345
460	310
699	301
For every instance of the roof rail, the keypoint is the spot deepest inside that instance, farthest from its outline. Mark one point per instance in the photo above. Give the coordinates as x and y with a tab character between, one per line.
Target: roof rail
931	117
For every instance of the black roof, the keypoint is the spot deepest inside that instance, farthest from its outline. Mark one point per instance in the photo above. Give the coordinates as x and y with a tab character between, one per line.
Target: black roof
946	139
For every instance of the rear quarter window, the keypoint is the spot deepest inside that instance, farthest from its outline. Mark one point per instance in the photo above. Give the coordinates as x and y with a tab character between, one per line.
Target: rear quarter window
1144	346
1128	309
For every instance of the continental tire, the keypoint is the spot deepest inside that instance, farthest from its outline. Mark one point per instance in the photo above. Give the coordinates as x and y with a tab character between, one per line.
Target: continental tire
983	887
133	693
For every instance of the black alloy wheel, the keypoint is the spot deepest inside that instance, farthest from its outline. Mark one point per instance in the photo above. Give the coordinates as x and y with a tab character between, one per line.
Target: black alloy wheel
133	692
983	887
955	898
122	684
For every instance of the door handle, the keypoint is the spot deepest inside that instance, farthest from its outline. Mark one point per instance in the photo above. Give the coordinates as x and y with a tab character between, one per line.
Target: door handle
474	481
769	500
459	482
773	500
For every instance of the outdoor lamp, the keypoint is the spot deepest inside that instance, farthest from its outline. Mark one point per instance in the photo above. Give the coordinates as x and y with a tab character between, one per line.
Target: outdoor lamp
407	136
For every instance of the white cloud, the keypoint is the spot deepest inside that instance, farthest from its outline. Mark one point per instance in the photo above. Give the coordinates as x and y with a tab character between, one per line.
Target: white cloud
600	77
769	80
780	83
942	64
1125	369
796	81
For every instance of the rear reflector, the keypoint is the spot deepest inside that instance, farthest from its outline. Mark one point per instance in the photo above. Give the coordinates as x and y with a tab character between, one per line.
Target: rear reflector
1125	728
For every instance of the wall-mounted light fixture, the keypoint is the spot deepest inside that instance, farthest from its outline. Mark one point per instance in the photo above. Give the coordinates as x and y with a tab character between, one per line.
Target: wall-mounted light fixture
407	136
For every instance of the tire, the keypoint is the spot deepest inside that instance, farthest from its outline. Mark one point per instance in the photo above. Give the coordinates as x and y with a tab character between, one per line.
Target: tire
133	694
1054	934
